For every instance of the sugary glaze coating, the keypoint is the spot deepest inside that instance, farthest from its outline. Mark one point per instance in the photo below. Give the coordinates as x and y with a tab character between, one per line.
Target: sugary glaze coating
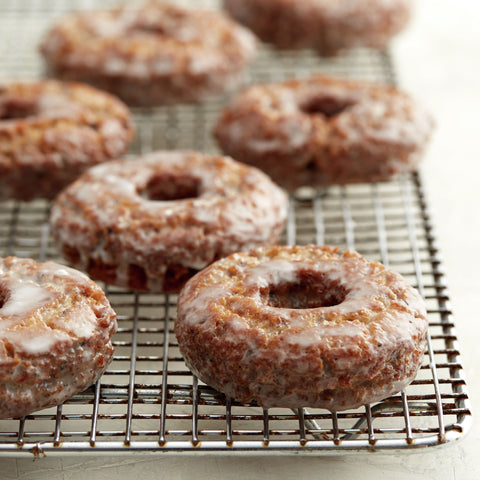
322	130
55	334
150	223
324	25
50	132
151	54
301	326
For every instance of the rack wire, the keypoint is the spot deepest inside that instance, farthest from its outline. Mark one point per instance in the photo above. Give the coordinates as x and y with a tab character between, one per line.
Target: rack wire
148	401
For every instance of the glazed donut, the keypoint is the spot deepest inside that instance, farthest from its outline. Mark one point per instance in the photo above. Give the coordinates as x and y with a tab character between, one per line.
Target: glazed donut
301	326
151	54
150	223
55	334
323	25
51	132
322	130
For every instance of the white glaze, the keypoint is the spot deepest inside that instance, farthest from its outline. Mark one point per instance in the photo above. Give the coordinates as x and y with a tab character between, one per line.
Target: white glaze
362	290
40	341
55	105
273	272
23	298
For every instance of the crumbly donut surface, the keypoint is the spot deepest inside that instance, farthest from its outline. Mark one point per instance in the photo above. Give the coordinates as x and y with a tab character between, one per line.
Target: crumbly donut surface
322	130
151	54
324	25
50	132
55	334
301	326
152	222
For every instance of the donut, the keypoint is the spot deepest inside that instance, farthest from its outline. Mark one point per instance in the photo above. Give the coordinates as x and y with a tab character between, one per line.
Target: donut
50	132
326	26
56	327
301	326
150	223
323	130
151	54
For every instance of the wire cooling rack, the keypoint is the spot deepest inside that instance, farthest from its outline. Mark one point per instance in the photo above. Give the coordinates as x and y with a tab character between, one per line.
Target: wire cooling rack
148	401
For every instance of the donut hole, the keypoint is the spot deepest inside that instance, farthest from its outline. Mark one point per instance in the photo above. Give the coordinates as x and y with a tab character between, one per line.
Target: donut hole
17	108
3	298
328	106
307	292
166	187
151	29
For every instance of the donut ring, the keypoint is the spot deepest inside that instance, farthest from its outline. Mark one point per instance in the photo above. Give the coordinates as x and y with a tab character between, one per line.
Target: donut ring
321	131
150	223
301	326
325	26
51	132
151	54
55	334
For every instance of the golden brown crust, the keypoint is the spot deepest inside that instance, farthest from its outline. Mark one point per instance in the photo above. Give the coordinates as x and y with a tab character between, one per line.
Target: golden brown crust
55	334
151	54
301	326
50	132
324	25
151	222
323	130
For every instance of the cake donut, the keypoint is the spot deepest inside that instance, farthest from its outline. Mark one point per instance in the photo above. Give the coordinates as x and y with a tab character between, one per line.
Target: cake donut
50	132
150	223
323	25
151	54
322	130
56	327
301	326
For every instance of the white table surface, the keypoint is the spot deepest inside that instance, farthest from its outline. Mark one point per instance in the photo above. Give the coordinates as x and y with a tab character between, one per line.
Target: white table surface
438	60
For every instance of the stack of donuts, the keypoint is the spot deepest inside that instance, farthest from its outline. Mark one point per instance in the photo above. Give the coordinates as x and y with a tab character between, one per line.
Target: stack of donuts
272	325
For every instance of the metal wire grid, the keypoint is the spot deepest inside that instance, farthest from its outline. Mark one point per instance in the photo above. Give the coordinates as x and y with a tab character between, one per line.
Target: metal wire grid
148	400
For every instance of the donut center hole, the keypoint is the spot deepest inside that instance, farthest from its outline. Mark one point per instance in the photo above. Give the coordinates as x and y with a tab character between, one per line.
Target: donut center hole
151	28
3	297
306	292
171	187
17	108
325	105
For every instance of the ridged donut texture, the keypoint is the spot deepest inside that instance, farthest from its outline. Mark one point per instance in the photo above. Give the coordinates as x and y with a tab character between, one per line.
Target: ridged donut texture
50	132
151	54
56	327
301	326
323	25
322	130
151	222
